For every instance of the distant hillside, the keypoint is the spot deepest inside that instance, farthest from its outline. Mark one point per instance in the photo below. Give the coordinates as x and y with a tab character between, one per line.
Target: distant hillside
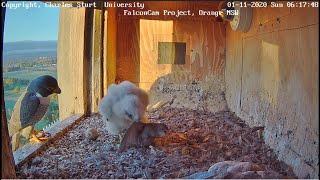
28	50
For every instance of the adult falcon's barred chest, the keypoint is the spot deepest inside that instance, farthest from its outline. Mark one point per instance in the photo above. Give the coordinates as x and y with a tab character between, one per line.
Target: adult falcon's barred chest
15	123
42	109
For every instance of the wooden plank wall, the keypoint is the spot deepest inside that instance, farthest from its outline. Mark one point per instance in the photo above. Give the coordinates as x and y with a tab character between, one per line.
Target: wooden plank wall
97	59
110	47
151	32
128	54
71	61
137	50
272	80
173	6
127	50
204	48
7	162
86	58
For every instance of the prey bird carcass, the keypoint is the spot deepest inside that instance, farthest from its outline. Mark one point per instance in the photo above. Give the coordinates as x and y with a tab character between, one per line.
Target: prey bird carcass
142	135
124	104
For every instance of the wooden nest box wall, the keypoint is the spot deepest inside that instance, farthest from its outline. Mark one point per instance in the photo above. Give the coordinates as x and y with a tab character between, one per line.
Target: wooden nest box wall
108	46
266	75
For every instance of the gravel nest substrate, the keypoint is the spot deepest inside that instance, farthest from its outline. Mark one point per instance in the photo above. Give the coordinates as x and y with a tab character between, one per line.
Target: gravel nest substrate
196	141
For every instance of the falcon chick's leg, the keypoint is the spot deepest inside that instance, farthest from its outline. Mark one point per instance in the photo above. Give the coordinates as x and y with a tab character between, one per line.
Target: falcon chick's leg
118	138
121	136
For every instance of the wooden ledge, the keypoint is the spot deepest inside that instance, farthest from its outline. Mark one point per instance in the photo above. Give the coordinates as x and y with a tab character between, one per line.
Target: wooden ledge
58	129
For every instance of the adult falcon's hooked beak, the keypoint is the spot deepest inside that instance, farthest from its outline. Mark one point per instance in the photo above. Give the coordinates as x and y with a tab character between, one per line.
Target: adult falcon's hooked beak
57	90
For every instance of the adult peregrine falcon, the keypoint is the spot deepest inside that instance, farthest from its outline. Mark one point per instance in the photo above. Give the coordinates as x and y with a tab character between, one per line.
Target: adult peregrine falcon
31	107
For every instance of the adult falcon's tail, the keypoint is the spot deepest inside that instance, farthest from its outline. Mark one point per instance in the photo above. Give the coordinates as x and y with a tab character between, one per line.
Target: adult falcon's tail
14	125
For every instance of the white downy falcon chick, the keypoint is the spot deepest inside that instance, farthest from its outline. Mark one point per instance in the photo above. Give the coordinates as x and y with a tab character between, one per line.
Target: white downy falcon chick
124	104
31	106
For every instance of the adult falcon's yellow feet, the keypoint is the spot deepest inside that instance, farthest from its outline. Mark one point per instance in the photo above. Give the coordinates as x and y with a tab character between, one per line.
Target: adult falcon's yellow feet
40	136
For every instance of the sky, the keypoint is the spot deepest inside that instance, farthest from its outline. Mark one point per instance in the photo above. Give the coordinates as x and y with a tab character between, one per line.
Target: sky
35	23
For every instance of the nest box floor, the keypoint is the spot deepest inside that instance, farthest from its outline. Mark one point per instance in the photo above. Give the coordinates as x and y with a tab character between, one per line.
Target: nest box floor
196	141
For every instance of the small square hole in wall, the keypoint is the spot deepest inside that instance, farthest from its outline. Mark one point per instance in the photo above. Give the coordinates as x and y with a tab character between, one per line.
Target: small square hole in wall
171	52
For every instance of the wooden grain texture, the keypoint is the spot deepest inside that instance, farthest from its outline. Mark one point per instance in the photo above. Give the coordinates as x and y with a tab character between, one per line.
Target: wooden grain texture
152	32
138	37
7	162
160	6
105	53
233	69
205	48
268	20
71	62
110	47
264	16
128	53
137	55
275	68
97	60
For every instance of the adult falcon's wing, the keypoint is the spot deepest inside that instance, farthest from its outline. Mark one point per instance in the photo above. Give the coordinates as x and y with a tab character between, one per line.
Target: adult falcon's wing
29	106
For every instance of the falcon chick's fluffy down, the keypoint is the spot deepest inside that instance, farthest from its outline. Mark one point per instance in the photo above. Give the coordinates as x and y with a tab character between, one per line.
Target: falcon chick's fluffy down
124	104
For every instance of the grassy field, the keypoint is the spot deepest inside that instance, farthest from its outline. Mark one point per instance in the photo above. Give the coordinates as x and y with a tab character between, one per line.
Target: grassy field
16	82
28	74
